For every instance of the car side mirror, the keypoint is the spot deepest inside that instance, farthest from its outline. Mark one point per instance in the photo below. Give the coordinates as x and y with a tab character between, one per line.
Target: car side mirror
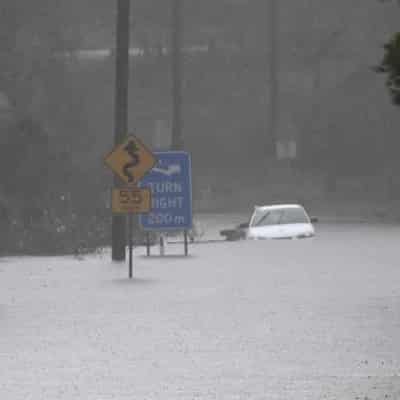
314	220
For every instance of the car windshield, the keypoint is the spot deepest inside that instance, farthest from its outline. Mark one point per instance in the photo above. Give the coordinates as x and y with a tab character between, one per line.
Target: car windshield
280	216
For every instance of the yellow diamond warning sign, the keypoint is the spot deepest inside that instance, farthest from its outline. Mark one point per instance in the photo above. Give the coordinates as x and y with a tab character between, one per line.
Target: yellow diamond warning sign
131	201
131	160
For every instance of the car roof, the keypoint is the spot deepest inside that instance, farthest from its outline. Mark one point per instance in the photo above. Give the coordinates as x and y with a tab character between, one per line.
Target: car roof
278	206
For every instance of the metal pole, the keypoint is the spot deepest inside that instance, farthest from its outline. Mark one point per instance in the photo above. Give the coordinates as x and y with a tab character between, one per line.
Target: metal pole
186	243
176	59
273	114
130	233
121	114
162	245
148	244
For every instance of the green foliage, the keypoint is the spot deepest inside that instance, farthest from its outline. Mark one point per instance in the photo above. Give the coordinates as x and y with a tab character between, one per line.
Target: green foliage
391	66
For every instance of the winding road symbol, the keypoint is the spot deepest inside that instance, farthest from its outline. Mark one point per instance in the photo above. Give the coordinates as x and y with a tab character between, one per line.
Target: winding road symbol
131	148
131	160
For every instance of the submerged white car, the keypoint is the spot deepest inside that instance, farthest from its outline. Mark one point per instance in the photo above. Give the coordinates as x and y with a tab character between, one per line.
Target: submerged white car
286	221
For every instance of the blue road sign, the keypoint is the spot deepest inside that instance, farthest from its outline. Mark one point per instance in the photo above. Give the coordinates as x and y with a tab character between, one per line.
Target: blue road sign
171	188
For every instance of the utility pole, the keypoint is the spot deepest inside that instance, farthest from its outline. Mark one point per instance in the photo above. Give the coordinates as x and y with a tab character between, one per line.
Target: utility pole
121	114
273	112
176	60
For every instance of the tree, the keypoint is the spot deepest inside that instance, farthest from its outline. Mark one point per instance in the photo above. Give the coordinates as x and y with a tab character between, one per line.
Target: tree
35	79
391	66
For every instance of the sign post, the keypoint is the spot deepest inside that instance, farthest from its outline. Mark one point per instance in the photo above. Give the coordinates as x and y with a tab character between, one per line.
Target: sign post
171	189
130	234
148	244
130	161
186	243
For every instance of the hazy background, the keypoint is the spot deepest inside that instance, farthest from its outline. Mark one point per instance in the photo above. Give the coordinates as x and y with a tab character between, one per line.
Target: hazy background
56	109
